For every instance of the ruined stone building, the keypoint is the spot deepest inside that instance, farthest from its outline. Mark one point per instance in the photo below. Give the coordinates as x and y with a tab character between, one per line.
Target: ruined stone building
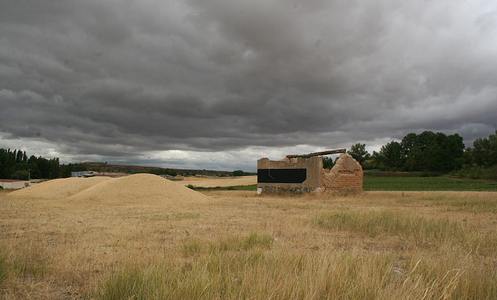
305	173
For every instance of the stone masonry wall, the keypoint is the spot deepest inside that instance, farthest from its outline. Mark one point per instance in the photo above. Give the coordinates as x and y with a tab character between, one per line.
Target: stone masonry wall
345	176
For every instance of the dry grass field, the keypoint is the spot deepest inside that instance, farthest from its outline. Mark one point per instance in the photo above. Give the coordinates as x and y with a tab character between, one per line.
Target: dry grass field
211	182
237	245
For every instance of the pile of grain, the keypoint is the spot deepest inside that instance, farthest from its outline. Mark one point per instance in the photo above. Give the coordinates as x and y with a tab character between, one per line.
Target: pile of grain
58	188
139	188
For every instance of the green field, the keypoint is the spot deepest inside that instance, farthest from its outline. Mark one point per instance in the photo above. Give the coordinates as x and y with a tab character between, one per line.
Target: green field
439	183
404	183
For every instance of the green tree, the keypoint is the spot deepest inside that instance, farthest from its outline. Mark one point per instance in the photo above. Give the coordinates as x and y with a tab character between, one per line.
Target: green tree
328	162
485	151
238	173
15	164
374	162
430	151
21	175
467	157
391	156
359	153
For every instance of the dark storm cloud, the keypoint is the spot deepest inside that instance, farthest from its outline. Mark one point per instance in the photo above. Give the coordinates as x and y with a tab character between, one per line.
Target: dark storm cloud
122	78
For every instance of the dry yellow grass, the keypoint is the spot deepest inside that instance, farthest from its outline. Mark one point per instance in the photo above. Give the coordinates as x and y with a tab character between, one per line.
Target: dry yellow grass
219	181
381	245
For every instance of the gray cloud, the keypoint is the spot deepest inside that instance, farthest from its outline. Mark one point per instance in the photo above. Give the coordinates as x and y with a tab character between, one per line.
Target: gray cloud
119	79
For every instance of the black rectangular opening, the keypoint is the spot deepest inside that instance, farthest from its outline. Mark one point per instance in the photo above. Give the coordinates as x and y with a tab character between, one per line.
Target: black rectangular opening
281	175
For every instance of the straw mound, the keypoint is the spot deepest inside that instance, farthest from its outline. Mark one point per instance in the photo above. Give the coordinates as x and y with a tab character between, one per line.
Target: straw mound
58	188
139	188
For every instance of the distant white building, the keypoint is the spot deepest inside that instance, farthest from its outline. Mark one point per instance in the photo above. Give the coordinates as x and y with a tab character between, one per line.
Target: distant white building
13	184
94	173
83	174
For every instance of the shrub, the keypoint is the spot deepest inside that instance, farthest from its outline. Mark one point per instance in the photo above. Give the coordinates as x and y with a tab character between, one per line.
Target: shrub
476	172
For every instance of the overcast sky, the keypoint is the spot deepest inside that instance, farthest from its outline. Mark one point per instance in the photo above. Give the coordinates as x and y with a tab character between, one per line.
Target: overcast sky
219	83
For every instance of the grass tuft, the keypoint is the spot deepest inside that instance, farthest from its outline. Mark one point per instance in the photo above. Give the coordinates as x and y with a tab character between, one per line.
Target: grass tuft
253	240
29	262
191	248
338	275
374	224
19	266
469	205
130	283
3	267
258	241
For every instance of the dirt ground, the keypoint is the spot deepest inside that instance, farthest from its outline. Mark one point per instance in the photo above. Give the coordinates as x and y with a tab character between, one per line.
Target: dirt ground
68	248
219	181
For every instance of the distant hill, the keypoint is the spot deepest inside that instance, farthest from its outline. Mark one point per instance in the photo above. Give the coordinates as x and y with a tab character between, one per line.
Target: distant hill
130	169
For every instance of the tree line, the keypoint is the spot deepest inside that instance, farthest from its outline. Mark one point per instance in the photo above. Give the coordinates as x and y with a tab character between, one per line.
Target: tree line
15	164
429	152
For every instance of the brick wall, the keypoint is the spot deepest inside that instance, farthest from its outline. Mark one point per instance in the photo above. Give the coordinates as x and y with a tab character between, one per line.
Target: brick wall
345	176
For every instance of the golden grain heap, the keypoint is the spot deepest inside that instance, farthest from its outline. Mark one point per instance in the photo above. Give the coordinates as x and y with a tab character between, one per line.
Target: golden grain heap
139	188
